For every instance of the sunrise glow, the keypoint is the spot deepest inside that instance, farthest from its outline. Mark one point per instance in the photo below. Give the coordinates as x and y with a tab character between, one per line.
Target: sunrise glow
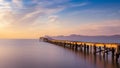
35	18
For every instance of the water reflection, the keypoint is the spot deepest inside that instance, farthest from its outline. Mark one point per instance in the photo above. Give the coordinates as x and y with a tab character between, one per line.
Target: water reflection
98	60
35	54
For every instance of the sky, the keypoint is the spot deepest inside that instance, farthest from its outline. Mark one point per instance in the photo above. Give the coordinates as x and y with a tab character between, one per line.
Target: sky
35	18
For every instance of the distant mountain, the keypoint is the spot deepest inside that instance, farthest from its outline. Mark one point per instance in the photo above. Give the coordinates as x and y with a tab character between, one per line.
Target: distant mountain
102	39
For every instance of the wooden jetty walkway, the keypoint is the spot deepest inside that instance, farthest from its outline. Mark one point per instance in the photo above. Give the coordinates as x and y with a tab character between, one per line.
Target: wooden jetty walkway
94	48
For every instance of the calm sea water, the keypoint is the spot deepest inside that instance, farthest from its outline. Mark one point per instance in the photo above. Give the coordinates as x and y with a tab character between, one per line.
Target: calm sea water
36	54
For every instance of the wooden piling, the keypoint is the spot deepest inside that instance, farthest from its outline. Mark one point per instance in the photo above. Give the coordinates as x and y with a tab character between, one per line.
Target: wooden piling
104	51
87	49
80	47
113	53
84	47
117	53
100	50
90	48
94	48
76	46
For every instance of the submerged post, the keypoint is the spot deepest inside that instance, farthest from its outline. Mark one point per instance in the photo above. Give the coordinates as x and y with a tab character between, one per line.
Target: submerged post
117	53
113	53
80	47
87	48
100	50
94	48
91	49
104	51
76	46
84	47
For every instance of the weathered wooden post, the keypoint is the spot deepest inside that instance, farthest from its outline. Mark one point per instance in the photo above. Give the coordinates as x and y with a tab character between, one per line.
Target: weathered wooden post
113	53
64	44
94	48
67	44
87	48
80	47
84	47
117	53
100	50
107	50
70	44
76	46
90	48
104	51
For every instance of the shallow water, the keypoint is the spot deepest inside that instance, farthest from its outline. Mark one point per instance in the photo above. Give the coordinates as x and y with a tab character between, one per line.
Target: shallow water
30	53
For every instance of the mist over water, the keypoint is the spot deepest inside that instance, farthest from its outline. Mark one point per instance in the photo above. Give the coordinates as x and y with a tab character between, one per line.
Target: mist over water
31	53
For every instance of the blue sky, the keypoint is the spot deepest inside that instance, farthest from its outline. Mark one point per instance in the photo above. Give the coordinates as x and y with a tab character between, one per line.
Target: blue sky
59	17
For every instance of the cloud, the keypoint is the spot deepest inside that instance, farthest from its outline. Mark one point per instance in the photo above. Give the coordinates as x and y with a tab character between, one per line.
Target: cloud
1	0
6	18
17	3
4	5
108	27
78	5
118	11
53	19
21	13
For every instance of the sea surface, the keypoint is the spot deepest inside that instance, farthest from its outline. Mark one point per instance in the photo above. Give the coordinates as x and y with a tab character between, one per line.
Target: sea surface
32	53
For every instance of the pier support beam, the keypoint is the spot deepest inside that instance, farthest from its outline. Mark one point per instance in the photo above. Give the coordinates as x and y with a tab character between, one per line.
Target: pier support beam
94	48
80	47
90	48
84	48
100	50
117	53
76	46
87	48
70	44
104	51
113	53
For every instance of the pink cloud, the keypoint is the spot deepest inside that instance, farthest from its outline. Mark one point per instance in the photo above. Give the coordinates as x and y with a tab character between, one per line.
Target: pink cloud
108	27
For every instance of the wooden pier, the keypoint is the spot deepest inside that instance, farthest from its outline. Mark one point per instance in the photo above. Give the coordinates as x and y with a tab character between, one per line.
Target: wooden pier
103	49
